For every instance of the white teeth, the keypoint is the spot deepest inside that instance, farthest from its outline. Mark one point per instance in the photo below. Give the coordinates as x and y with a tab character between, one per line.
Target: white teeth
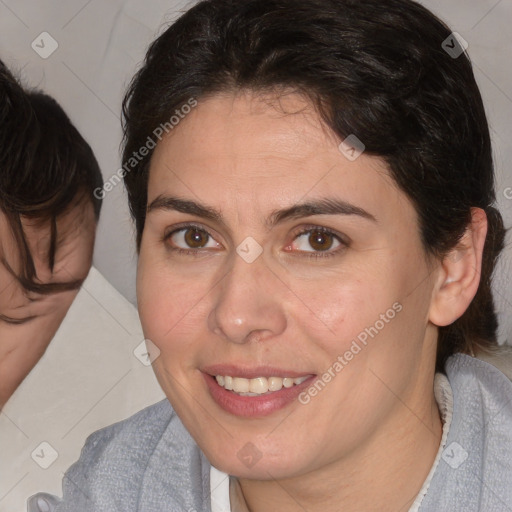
240	385
287	382
257	386
275	383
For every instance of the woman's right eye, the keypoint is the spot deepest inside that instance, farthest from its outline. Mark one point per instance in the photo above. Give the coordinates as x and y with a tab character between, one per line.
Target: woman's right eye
190	238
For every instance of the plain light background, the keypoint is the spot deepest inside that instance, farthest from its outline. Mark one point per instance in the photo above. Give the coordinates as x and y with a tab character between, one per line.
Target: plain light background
102	43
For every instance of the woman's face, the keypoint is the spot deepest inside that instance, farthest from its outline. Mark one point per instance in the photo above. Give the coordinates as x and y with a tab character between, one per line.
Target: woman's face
269	255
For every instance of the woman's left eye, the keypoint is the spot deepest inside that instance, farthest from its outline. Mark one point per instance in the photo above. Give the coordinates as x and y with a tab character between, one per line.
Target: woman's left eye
317	240
191	238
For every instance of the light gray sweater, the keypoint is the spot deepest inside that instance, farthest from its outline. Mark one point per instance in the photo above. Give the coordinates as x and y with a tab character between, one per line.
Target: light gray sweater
149	462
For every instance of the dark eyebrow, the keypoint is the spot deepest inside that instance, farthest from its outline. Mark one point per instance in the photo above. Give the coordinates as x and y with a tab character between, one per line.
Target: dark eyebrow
319	207
316	207
185	206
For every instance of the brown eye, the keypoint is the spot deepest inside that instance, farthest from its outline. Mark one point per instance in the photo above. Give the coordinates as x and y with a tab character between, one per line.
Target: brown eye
317	241
196	238
321	241
192	237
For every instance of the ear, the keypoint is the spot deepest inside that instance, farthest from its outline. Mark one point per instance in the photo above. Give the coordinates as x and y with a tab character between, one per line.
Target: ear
459	274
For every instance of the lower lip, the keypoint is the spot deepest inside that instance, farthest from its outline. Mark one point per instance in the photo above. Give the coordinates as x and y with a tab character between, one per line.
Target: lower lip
254	406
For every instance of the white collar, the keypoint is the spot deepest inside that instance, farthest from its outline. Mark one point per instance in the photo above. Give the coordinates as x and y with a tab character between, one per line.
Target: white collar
219	489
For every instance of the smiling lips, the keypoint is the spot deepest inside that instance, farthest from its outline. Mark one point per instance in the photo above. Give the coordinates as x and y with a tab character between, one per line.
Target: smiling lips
254	393
258	386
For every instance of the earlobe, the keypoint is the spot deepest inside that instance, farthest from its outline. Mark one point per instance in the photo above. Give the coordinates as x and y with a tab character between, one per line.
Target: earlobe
459	273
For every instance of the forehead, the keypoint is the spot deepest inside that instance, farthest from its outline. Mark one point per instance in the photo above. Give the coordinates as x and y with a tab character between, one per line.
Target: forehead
220	126
257	150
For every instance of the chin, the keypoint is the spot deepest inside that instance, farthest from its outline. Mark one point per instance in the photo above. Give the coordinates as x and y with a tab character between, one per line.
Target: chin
251	463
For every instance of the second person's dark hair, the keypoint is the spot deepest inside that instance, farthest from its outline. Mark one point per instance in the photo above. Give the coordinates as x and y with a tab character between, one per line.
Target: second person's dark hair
45	168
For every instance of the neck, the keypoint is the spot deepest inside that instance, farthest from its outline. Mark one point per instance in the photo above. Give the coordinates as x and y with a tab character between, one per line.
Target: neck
384	475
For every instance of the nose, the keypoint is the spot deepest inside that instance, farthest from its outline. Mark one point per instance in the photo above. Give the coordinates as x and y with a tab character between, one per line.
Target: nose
247	305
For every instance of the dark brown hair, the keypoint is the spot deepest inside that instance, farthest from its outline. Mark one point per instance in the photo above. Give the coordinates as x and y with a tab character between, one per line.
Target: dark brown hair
46	167
379	69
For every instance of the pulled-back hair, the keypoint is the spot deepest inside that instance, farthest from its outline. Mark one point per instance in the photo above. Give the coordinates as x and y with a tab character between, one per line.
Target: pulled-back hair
46	167
373	68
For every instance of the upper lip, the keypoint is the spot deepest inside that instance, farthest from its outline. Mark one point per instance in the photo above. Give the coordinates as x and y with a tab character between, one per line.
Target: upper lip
252	372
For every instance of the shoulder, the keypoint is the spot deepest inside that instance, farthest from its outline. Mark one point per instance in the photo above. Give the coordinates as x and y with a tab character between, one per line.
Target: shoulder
111	467
148	424
488	376
478	445
499	357
126	443
482	405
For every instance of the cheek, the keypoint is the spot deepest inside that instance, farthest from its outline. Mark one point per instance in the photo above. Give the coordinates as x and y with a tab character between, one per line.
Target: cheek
341	305
170	305
365	314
